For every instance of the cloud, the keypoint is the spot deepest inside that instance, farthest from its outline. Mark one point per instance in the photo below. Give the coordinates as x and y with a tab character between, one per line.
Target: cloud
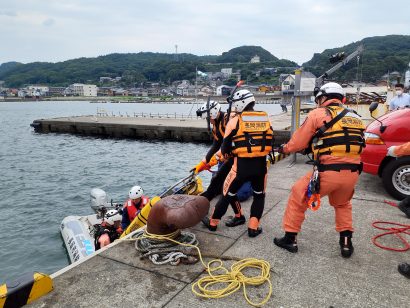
48	22
294	30
8	13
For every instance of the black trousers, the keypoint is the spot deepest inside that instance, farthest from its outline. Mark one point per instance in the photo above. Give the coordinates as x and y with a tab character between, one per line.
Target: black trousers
217	181
248	169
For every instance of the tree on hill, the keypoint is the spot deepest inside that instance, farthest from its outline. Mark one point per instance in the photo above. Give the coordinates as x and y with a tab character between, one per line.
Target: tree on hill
382	54
245	54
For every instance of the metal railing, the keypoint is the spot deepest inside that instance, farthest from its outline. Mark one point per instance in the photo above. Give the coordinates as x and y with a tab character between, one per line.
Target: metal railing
101	112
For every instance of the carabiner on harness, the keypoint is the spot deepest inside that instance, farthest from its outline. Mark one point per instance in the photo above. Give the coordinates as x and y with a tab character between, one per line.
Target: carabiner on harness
313	189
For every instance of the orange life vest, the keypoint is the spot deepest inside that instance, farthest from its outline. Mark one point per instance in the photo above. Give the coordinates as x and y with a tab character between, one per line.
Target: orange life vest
133	209
342	136
218	129
254	135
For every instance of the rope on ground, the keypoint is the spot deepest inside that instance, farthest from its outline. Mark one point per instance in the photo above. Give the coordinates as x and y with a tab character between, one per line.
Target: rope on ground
395	229
391	203
163	252
214	285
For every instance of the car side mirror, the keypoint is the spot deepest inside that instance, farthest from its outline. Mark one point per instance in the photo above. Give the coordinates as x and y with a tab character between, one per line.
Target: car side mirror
373	106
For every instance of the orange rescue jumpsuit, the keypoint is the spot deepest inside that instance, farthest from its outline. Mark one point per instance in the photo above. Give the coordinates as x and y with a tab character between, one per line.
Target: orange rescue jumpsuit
338	185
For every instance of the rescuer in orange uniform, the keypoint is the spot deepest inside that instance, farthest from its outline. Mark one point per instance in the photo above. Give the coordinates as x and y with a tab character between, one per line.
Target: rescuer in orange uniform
335	136
404	205
249	138
217	118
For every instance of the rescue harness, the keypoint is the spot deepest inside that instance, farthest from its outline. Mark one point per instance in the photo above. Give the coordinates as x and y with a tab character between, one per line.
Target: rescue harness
342	136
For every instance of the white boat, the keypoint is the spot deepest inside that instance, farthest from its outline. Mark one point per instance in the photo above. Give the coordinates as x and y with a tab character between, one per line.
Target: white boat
78	231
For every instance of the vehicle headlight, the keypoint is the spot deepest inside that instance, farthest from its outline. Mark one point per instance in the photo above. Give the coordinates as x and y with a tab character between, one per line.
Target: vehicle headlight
371	138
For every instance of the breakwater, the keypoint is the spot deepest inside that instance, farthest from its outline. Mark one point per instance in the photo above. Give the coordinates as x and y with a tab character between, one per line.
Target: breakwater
145	128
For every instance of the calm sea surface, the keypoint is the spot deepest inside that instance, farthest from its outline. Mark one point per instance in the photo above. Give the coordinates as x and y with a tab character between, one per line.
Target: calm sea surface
45	177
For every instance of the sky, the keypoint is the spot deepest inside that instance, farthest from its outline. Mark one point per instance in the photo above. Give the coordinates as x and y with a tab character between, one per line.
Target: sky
59	30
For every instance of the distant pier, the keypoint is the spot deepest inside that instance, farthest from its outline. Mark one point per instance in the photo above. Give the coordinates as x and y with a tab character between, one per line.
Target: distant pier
149	127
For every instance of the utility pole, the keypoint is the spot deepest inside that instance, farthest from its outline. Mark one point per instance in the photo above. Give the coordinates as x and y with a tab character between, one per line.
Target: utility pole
196	84
296	108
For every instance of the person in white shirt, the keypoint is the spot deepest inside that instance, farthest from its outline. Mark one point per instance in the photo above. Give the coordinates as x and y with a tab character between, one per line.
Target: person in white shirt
400	101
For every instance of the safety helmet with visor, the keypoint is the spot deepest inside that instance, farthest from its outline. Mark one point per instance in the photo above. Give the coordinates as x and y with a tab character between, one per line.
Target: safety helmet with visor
332	89
241	99
212	108
112	216
136	192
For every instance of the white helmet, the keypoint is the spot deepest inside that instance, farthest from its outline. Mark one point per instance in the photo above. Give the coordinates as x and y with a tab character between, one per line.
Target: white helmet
136	192
330	88
112	216
214	108
241	99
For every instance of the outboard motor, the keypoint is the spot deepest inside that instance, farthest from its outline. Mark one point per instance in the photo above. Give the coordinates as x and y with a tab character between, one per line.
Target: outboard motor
99	199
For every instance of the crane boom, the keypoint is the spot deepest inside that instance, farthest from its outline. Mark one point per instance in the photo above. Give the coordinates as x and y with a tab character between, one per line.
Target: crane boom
358	51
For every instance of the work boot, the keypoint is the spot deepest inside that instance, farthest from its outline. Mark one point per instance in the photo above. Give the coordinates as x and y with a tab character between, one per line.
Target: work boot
235	221
346	246
254	232
207	222
404	206
287	242
404	269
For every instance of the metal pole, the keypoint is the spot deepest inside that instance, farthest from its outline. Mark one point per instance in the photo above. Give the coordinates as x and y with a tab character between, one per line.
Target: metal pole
296	108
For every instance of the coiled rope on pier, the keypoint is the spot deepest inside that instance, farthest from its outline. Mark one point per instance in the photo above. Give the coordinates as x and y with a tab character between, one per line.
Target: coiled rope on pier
215	285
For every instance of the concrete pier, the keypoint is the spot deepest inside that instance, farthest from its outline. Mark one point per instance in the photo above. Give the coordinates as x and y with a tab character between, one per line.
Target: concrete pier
316	276
151	128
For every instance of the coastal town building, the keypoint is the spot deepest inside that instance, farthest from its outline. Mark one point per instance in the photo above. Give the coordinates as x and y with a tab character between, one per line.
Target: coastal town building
255	59
79	89
226	72
307	83
223	90
56	91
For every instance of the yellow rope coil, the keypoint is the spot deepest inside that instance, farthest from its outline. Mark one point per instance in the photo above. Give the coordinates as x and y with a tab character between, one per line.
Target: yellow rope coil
231	281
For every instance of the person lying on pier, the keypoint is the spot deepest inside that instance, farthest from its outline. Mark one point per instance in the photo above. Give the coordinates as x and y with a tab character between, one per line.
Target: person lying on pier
335	136
249	138
133	205
404	205
218	119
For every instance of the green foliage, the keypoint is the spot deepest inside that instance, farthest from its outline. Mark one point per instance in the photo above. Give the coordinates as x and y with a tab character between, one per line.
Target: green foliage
244	54
382	54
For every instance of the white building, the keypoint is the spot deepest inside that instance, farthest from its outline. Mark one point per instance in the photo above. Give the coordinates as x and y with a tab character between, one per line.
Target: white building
307	83
226	72
255	59
36	90
79	89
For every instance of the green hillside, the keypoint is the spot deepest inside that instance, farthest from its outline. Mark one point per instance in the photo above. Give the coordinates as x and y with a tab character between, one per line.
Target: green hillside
382	54
132	67
245	54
